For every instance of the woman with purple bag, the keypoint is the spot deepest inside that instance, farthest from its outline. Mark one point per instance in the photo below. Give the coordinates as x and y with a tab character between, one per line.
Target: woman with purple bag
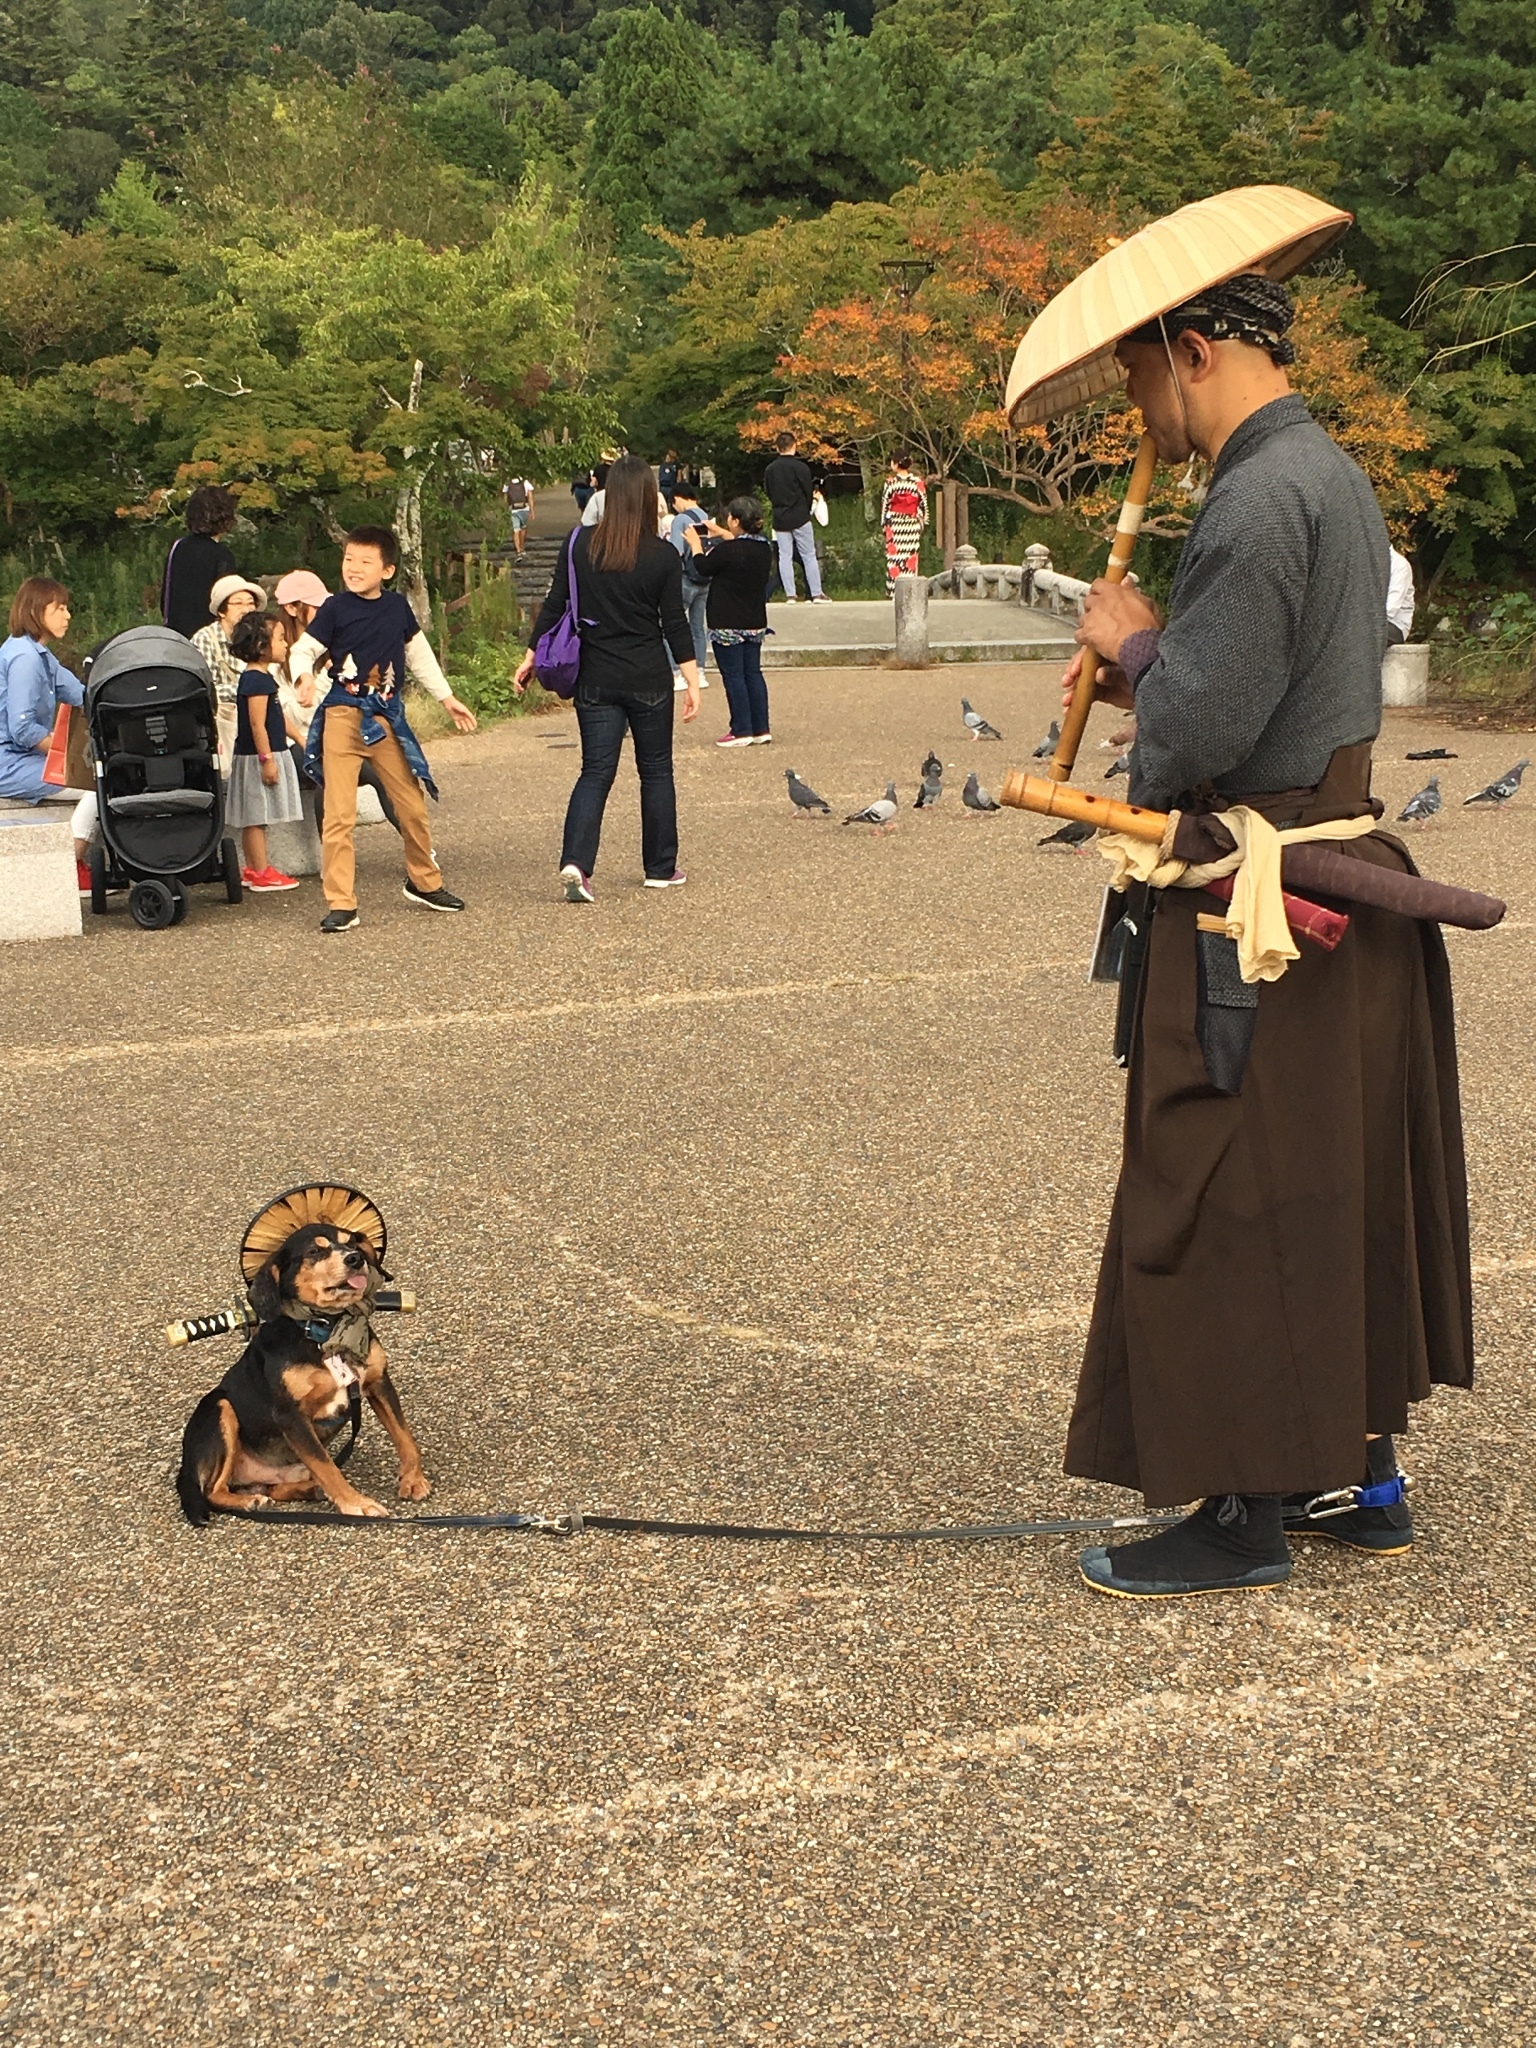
617	592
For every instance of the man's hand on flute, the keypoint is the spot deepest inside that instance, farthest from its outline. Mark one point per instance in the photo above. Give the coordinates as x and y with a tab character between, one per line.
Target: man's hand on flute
1110	685
1112	612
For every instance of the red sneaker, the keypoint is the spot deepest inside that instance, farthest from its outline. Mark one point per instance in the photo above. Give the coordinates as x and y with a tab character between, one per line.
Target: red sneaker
268	881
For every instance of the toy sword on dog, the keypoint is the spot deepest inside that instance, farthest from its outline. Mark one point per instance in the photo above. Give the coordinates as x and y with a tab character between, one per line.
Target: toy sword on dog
193	1329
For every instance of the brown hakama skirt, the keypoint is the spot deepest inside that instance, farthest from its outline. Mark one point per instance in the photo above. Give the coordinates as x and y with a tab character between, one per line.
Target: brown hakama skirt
1286	1268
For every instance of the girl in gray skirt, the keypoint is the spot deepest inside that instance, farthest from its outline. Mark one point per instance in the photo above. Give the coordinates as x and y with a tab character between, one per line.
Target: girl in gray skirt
263	783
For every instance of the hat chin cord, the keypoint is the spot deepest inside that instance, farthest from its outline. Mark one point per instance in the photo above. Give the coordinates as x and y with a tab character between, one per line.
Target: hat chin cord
1191	483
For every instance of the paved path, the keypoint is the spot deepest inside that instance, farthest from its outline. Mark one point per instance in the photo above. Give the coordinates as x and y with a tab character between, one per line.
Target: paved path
778	1197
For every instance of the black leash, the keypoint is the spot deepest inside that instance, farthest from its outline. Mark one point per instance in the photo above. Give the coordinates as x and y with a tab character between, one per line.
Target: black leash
574	1522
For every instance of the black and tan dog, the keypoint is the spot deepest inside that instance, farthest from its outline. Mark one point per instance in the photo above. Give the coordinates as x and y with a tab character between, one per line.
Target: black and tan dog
262	1434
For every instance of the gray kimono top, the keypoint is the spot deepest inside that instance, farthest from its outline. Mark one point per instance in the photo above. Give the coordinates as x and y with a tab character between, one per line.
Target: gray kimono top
1277	624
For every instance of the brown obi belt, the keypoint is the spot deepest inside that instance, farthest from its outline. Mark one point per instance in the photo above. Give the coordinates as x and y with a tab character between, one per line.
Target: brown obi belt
1345	872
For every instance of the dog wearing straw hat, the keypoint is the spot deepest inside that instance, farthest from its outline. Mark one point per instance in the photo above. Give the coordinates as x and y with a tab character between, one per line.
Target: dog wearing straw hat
312	1261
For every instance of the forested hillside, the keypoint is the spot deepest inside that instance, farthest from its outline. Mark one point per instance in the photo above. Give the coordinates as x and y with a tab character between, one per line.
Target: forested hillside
230	237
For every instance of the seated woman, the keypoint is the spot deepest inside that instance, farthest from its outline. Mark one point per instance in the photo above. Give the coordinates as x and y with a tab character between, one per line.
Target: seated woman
229	600
33	685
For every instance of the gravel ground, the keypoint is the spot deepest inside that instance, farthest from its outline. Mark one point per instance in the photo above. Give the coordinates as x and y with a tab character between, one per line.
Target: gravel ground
777	1197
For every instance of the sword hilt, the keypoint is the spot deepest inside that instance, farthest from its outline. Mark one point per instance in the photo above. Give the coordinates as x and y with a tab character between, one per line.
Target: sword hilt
195	1329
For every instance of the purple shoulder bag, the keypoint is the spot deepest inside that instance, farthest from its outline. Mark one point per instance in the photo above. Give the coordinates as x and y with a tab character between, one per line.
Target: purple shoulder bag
557	653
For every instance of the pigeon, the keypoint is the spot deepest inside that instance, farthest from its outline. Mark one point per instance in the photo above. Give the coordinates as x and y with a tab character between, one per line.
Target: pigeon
976	725
1432	754
1073	835
1047	746
1422	805
975	798
932	766
1121	765
802	796
880	812
932	789
1500	792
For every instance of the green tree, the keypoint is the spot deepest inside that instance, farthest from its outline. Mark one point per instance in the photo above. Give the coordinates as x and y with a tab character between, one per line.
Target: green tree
495	124
813	126
287	156
657	99
739	303
1184	121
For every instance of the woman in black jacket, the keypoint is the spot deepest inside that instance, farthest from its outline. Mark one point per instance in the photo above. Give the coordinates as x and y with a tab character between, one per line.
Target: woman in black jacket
629	589
738	571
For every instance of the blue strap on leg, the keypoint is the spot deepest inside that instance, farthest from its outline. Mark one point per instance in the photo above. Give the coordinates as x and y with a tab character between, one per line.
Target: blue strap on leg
1387	1495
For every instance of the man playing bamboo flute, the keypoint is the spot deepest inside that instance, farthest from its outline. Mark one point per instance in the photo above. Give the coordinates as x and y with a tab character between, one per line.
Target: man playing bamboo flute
1287	1259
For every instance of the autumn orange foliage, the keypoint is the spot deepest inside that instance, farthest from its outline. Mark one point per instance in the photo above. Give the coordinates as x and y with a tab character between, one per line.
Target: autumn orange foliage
871	375
868	376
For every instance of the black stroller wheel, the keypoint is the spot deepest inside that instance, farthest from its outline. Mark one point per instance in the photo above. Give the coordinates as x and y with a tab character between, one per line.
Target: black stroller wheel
152	905
229	856
183	903
98	867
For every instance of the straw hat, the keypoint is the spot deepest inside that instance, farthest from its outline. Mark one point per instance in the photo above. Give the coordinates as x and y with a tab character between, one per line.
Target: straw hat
318	1202
1067	356
227	586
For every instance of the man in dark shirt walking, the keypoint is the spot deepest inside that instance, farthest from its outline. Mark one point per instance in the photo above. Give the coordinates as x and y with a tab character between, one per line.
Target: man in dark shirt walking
791	484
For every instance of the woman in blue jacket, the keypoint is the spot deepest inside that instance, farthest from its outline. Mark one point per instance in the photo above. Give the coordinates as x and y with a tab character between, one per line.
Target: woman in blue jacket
33	685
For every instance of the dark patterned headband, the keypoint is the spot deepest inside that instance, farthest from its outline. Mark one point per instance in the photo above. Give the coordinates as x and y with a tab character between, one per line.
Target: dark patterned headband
1251	308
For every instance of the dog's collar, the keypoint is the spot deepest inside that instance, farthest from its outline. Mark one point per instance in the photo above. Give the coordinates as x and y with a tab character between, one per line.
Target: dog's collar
344	1329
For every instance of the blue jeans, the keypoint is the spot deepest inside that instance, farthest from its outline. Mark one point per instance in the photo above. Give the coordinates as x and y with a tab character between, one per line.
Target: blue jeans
604	716
801	541
695	598
741	671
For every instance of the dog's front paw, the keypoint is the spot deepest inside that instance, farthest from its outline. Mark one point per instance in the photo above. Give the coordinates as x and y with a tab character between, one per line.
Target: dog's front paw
362	1505
254	1500
414	1486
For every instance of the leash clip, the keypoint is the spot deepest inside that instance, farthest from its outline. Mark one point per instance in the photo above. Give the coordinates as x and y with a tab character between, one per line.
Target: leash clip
568	1524
1345	1499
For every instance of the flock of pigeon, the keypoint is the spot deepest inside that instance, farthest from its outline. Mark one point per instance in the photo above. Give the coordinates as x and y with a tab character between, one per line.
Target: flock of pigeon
1425	803
1420	808
882	812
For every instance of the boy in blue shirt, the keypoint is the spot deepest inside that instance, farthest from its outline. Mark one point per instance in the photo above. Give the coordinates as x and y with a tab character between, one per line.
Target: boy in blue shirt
373	643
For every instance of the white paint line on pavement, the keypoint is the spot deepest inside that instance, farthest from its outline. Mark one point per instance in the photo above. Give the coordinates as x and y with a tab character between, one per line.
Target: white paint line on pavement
36	1059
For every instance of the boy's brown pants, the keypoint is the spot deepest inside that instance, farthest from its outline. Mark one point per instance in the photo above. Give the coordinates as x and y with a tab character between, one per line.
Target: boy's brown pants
342	754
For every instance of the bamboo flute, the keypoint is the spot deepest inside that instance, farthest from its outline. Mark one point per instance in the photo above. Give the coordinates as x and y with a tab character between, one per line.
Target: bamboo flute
1127	526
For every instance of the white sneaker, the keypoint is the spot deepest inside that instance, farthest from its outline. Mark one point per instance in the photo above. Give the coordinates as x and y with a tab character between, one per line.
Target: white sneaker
761	739
679	684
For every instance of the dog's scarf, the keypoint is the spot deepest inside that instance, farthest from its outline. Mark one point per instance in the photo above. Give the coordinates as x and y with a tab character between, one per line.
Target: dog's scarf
348	1333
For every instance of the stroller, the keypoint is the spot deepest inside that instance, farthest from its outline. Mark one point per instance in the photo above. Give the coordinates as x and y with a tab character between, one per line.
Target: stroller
152	718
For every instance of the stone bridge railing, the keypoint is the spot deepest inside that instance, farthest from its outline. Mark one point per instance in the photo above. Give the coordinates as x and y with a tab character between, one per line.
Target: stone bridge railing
1035	583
